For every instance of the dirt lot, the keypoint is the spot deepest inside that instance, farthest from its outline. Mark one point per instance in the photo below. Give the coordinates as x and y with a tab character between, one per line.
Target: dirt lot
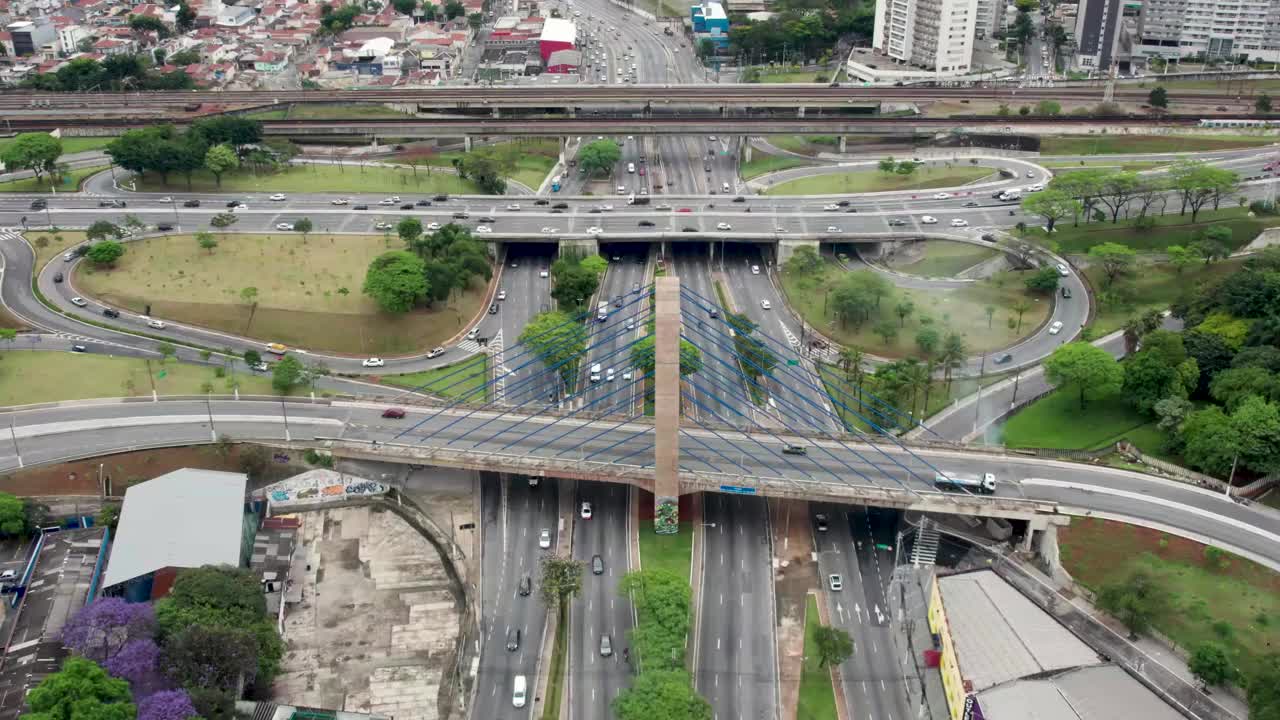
376	628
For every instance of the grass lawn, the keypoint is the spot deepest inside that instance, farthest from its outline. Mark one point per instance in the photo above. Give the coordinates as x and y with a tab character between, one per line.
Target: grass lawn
1234	602
666	552
37	377
809	144
876	181
529	159
1172	229
309	291
796	77
555	683
861	415
54	243
460	380
945	259
961	310
1064	166
70	183
72	145
316	178
762	163
1056	421
1212	85
817	695
1129	144
1156	286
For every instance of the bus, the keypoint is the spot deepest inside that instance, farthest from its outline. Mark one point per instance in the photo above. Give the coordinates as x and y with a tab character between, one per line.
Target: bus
555	184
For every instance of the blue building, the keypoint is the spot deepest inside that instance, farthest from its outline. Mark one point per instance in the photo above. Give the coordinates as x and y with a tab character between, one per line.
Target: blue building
710	22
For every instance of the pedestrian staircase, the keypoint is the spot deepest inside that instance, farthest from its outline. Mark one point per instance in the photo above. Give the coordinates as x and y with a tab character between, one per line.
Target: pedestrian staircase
924	551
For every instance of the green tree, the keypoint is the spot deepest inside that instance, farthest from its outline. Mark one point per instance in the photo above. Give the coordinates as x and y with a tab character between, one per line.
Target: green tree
560	580
108	516
1149	378
37	152
1258	423
410	231
1214	243
953	355
1134	601
212	656
220	159
148	24
661	694
903	310
887	331
1210	664
834	645
1262	104
1198	184
223	220
304	226
81	690
206	241
249	295
287	374
396	281
1048	107
1114	259
404	7
1085	368
12	515
106	252
906	168
706	49
1180	257
755	357
1043	281
804	261
104	230
252	357
166	350
558	341
1052	205
1158	97
1020	307
928	339
594	264
888	165
574	283
599	157
642	356
1231	386
1264	689
663	600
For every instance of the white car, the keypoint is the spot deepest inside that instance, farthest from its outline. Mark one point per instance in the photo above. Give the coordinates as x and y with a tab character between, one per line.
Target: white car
837	582
278	197
544	539
959	222
241	206
832	207
1035	188
1056	327
338	201
626	375
284	226
929	220
755	269
724	226
779	229
942	196
155	324
594	230
374	362
606	208
1062	270
542	274
386	201
514	206
764	304
166	198
79	301
502	294
834	229
482	229
382	225
433	226
549	230
586	510
435	353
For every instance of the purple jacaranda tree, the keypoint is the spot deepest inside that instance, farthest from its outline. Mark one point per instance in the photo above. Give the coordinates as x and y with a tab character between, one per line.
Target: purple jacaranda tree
167	705
139	663
104	627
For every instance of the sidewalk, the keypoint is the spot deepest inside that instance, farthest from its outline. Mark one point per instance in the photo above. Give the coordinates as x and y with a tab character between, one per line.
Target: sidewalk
795	575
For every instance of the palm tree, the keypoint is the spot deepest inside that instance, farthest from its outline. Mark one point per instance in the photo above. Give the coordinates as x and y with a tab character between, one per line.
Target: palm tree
953	355
916	376
1021	306
931	366
851	360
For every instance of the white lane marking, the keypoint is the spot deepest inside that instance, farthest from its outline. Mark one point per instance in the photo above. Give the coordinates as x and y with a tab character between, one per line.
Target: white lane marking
1102	490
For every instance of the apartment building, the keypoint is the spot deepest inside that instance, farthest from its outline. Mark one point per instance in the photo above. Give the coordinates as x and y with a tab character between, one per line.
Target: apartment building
933	35
1217	28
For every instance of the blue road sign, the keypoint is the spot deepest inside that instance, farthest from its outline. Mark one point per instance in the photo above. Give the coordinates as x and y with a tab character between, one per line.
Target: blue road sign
738	490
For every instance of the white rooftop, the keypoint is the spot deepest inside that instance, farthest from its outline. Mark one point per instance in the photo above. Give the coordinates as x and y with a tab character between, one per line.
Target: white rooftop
559	30
185	519
713	11
1000	635
1104	692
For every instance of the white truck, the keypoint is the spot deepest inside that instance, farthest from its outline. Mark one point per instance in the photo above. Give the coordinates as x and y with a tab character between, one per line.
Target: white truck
947	480
1009	195
602	311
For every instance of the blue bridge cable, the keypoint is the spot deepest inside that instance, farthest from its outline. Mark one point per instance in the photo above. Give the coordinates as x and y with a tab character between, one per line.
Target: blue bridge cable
788	350
637	451
767	450
835	457
610	446
463	398
540	428
558	365
557	438
785	403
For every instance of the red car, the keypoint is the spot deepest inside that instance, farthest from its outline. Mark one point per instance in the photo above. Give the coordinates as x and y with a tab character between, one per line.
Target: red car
393	413
641	171
684	210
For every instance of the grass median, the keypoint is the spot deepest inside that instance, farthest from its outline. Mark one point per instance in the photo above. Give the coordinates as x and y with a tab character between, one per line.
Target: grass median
941	259
817	694
308	291
316	179
32	376
761	163
876	181
463	380
69	182
1136	144
71	145
673	553
555	680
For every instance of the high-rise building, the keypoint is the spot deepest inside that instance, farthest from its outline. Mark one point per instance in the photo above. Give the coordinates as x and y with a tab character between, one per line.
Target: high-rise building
30	36
1097	33
1217	28
935	35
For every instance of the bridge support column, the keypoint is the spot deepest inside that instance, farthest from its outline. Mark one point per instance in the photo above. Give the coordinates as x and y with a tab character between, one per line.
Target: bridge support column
746	150
787	248
843	144
466	143
497	112
582	247
800	111
564	148
666	405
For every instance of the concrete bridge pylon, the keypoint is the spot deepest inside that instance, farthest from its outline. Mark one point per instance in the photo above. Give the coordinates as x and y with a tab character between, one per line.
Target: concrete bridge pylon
666	405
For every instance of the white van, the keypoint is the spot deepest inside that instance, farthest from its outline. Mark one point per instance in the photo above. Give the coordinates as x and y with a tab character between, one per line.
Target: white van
724	187
518	692
595	373
631	167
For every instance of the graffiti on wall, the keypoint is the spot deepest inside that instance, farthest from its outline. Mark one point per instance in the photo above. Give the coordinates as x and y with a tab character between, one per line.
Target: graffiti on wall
666	515
315	486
